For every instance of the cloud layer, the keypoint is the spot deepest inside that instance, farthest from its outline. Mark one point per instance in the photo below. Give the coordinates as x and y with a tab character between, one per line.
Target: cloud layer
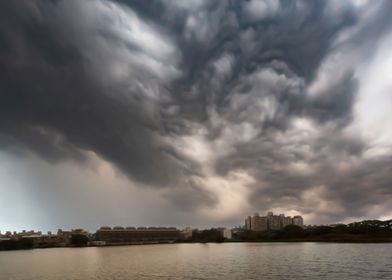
221	108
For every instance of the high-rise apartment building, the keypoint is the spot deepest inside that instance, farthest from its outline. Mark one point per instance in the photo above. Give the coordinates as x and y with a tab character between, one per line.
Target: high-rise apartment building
248	223
271	222
298	221
259	223
274	222
255	222
286	221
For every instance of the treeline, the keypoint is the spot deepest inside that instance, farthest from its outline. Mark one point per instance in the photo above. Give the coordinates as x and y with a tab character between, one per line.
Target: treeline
365	231
204	236
16	244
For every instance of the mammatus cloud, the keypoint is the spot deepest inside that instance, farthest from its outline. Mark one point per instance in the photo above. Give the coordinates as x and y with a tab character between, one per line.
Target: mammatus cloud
220	107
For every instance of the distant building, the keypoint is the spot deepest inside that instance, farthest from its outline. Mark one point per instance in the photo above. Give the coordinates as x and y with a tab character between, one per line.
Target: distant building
259	223
66	235
120	235
274	222
286	221
79	231
298	221
227	233
255	222
248	223
271	222
46	241
187	233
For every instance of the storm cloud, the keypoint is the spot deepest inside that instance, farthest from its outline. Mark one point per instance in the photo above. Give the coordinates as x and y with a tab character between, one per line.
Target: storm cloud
217	108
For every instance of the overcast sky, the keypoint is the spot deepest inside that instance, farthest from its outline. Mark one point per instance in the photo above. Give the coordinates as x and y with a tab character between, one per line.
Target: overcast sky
193	113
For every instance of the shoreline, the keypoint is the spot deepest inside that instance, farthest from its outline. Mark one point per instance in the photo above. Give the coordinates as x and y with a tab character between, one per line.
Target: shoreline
386	241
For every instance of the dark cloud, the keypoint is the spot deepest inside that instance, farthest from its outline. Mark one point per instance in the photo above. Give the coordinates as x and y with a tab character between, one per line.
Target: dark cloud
175	93
52	105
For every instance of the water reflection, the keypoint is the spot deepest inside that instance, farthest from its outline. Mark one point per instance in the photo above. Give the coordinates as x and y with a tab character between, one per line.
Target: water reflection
203	261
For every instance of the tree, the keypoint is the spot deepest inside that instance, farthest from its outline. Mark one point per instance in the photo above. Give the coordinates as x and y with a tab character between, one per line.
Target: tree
79	240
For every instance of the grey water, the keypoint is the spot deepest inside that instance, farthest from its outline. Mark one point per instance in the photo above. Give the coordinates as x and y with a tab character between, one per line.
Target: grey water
202	261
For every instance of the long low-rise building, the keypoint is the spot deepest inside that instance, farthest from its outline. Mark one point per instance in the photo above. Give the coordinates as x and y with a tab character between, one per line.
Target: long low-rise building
121	235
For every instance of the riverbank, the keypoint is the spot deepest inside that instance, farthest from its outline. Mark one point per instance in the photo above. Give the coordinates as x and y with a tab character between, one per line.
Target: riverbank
313	240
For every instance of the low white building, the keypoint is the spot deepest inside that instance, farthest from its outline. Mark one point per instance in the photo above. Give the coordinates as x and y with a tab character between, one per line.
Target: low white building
227	233
187	233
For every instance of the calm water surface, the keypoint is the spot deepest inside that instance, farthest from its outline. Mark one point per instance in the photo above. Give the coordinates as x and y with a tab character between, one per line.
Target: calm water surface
199	261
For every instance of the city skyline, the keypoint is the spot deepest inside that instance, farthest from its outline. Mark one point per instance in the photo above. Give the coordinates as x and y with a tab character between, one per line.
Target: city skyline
194	113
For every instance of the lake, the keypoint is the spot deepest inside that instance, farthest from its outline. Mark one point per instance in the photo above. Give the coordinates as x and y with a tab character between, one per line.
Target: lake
203	261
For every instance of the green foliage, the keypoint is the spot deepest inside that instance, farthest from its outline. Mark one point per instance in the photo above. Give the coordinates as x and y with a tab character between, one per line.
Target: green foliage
208	235
365	231
291	231
79	240
16	244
